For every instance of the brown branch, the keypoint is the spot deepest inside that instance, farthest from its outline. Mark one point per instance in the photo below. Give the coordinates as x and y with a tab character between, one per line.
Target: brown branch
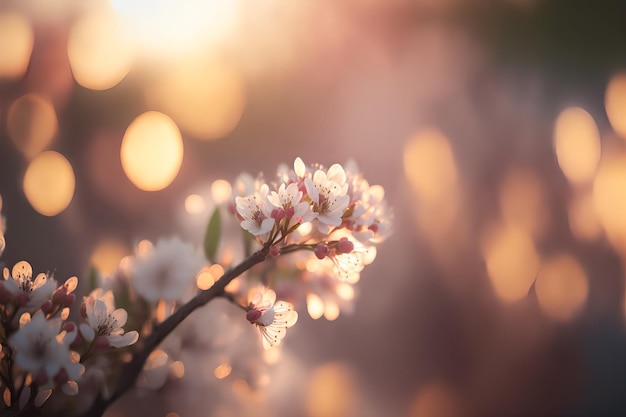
132	369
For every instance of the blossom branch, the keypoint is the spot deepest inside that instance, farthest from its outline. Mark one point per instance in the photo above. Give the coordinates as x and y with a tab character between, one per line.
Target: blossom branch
132	369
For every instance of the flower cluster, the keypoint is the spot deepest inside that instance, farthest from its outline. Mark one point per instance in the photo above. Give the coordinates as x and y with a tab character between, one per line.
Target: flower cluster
42	350
308	234
331	217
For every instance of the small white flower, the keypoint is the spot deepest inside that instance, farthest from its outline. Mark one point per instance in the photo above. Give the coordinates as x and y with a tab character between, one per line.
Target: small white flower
288	198
30	293
271	318
106	321
256	212
41	350
167	271
328	194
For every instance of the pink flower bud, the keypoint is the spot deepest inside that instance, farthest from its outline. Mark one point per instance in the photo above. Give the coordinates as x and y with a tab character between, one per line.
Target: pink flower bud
69	299
321	251
374	227
278	214
69	327
253	315
290	212
59	295
102	342
344	245
274	251
46	307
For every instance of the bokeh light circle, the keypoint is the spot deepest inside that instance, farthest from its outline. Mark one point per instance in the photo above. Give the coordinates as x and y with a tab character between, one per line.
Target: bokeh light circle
615	103
561	287
49	183
152	151
99	52
16	44
31	123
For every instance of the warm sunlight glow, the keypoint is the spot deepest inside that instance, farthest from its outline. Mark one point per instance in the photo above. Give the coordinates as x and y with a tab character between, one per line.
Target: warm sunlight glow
429	165
609	199
205	280
49	183
577	144
583	221
32	123
107	255
222	371
194	204
561	287
152	151
511	260
99	52
164	28
16	44
523	200
221	191
205	98
615	103
314	306
331	391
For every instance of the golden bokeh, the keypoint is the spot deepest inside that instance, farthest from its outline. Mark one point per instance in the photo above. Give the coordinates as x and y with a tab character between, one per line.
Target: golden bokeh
222	371
609	199
522	200
314	306
577	144
99	52
206	99
169	28
511	259
561	287
107	255
194	204
16	44
221	191
331	391
429	165
615	103
152	151
435	400
583	221
32	123
49	183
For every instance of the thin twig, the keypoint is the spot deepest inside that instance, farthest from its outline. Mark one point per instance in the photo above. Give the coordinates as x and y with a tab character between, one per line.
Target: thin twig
132	369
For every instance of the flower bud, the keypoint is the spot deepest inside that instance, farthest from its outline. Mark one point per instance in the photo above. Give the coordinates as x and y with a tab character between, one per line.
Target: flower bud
321	251
274	251
253	315
58	296
69	299
344	245
46	307
102	342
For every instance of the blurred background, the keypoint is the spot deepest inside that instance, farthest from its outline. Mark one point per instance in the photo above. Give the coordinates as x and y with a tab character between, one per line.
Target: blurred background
496	127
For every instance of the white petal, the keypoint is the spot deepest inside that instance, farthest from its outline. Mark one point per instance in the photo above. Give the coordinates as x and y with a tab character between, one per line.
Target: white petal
120	316
87	331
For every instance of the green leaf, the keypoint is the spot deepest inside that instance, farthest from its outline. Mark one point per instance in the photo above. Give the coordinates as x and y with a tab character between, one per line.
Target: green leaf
212	236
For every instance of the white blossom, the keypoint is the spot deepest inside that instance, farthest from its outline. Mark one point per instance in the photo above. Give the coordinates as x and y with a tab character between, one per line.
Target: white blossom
328	194
256	212
271	318
28	292
106	321
44	351
167	271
